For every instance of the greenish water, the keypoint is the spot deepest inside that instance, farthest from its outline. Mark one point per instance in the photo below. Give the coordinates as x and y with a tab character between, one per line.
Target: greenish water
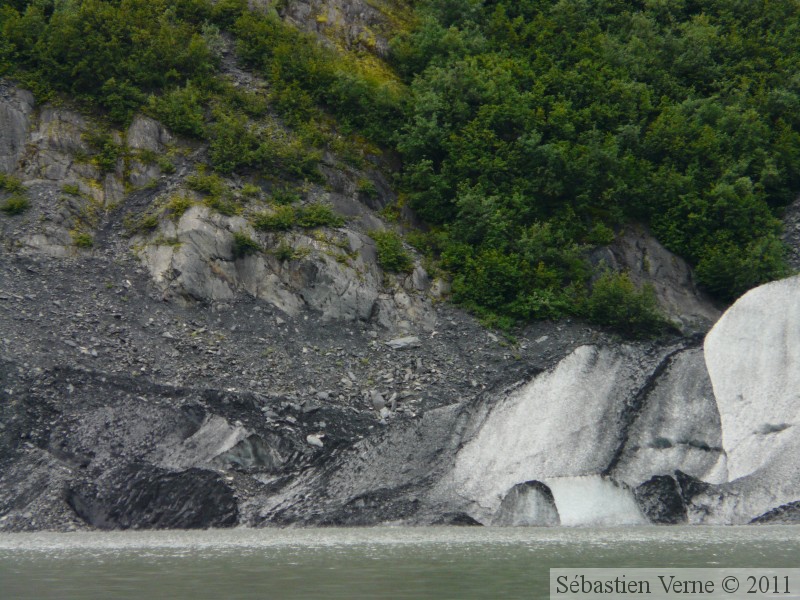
331	564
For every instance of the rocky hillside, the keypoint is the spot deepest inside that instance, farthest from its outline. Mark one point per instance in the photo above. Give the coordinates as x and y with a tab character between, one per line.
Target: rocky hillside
186	345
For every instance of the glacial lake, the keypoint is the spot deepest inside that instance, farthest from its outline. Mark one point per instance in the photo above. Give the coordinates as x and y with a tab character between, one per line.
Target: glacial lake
371	563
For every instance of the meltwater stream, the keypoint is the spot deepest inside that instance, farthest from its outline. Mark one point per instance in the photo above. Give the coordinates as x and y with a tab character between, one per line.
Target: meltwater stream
375	563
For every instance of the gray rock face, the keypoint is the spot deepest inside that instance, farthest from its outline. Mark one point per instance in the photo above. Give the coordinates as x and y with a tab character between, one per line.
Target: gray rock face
302	424
16	106
202	267
359	24
648	262
528	504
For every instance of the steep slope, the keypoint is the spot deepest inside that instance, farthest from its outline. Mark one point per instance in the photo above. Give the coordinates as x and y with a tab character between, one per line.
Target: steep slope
194	336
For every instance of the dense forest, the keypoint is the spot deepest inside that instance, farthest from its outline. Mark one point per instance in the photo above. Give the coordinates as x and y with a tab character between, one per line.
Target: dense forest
529	131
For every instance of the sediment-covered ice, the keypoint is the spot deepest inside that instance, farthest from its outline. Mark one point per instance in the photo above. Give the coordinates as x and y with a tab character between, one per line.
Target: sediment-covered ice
678	427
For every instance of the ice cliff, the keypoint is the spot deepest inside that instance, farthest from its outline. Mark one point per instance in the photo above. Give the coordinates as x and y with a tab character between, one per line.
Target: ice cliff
711	433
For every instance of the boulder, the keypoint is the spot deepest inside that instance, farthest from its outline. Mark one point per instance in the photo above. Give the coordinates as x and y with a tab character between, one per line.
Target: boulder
660	499
528	504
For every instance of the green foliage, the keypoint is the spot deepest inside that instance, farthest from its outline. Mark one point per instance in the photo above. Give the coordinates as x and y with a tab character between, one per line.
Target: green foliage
107	152
529	130
284	217
144	223
306	75
112	54
16	204
71	188
317	214
285	252
165	164
212	185
392	256
181	109
366	187
251	191
615	302
236	144
285	196
224	205
10	184
580	116
244	245
280	219
178	205
728	270
82	239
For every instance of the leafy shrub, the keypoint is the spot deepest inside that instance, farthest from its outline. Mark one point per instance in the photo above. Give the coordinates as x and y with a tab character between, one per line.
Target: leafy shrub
147	222
225	205
82	239
213	185
615	302
72	189
318	214
234	145
107	151
15	205
166	165
178	205
285	252
366	187
111	54
280	219
728	271
285	196
10	184
244	245
556	113
181	109
251	191
392	256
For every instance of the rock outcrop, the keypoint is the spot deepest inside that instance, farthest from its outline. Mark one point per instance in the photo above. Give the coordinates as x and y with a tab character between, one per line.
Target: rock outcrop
636	252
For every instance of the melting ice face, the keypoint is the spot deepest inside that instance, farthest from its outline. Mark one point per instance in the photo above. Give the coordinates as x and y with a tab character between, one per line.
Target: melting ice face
594	501
567	422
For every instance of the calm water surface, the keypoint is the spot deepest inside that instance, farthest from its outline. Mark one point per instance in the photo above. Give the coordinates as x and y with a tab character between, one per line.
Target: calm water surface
332	564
